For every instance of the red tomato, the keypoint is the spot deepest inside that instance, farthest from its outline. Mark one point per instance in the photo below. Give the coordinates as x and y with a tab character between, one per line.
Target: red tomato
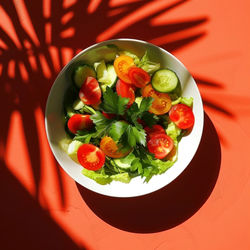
125	90
154	130
90	157
122	64
162	101
78	122
160	145
112	149
138	77
182	116
108	116
90	92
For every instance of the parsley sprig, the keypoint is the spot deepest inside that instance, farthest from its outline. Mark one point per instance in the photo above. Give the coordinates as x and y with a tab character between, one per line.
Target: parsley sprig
113	103
124	128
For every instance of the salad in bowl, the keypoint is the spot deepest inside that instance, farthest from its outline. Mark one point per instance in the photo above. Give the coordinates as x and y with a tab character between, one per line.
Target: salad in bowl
126	112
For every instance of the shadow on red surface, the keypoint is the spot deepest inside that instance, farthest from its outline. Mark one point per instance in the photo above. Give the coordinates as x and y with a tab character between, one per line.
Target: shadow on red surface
173	204
24	224
31	54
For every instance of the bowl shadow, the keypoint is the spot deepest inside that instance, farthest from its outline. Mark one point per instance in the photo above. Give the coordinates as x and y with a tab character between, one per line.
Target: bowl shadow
171	205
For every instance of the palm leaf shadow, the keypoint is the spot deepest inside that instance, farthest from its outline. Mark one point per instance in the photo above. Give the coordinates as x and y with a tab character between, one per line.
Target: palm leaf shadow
86	28
208	83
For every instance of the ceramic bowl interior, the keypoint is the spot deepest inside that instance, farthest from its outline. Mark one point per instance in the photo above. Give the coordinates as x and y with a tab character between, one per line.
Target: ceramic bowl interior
55	126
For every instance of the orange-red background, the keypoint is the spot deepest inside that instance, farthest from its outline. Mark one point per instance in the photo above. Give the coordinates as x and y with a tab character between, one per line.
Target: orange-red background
206	208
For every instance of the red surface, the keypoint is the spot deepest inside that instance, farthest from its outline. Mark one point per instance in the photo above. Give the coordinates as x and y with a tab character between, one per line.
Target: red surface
206	208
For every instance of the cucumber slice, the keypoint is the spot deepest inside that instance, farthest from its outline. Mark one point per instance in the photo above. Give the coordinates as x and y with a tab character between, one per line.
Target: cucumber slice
72	150
101	71
106	75
111	75
125	162
81	73
164	80
70	111
78	104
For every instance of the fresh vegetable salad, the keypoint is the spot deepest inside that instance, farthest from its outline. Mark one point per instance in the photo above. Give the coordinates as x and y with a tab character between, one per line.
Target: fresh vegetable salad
124	117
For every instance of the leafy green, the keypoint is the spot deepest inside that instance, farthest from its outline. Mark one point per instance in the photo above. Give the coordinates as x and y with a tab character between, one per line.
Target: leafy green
87	109
173	131
150	119
135	165
135	57
184	100
148	65
117	129
130	136
102	124
122	177
149	165
99	177
135	111
84	136
140	136
113	103
135	135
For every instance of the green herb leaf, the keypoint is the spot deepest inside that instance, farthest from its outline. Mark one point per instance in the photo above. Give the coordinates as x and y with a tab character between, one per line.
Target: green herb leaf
130	136
140	136
150	119
102	124
135	112
113	103
136	164
135	135
146	104
117	129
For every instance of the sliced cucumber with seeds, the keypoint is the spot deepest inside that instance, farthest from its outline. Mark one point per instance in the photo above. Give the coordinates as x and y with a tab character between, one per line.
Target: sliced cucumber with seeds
81	73
164	80
125	162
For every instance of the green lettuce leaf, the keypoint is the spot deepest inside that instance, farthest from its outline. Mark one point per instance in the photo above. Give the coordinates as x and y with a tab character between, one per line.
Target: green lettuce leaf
173	131
99	177
148	65
127	53
122	177
184	100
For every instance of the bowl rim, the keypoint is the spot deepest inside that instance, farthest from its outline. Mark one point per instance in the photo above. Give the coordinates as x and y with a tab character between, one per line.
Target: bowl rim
62	71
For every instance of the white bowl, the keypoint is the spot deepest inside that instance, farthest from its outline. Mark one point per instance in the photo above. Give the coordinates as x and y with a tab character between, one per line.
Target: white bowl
55	127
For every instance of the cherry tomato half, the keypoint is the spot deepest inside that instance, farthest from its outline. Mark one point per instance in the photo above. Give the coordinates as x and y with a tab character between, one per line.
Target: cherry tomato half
160	145
154	130
125	90
162	101
182	115
90	92
107	115
78	122
90	157
122	64
138	77
111	149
